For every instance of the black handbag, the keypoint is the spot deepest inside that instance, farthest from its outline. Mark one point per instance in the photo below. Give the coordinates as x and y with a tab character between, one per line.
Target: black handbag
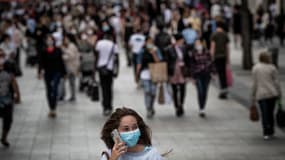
280	116
94	91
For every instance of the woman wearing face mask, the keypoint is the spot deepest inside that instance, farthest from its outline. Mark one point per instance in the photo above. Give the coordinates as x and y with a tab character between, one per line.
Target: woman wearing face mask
149	54
134	142
177	61
201	69
52	67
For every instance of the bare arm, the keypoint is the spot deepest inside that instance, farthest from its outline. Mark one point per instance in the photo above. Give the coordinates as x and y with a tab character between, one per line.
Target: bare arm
16	90
212	49
154	55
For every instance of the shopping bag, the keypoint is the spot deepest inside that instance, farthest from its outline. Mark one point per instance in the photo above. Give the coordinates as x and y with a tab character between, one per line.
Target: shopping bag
280	116
161	98
229	76
158	72
167	93
253	113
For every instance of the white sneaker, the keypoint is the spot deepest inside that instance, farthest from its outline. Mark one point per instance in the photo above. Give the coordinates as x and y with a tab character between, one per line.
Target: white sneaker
266	137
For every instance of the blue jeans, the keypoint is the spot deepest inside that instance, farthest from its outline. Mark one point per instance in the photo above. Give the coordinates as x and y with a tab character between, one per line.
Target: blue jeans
202	85
52	82
149	93
267	107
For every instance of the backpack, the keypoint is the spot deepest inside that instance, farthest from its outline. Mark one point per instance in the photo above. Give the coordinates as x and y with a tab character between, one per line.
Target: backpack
162	41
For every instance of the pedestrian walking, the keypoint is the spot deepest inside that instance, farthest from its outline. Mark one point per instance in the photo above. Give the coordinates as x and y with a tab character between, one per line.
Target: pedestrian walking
106	52
266	90
133	138
220	53
9	94
202	68
136	43
71	57
149	54
178	62
52	68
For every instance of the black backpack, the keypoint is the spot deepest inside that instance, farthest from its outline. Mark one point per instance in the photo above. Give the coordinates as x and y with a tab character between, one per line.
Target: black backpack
162	41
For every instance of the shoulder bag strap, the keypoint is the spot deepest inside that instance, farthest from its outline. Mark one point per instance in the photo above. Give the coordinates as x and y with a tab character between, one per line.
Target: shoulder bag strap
110	55
106	154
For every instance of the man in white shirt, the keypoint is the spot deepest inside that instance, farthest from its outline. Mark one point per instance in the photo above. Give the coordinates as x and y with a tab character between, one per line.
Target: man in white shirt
106	53
136	44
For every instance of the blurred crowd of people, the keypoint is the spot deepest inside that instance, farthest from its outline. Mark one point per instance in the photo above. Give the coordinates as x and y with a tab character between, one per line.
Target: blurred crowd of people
77	38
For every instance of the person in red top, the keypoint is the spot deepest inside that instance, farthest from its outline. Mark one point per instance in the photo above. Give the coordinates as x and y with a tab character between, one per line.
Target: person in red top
52	67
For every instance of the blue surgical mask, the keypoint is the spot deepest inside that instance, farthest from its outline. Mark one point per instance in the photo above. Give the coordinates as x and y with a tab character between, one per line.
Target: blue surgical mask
105	28
131	138
149	46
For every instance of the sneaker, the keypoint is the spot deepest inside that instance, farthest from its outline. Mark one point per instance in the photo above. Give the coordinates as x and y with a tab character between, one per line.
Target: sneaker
5	143
179	112
52	114
266	137
107	112
150	113
223	96
202	114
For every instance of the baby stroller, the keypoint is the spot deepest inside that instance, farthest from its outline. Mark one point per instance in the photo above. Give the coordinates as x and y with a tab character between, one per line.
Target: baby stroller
87	65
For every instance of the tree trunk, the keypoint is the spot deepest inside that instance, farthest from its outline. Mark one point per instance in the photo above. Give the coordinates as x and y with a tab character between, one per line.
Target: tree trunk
246	37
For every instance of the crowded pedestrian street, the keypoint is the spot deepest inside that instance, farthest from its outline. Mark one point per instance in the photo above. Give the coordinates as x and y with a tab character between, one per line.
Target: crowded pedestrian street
226	132
142	80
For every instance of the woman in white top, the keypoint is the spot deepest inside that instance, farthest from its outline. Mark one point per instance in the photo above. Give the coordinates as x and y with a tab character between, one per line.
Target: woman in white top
266	90
134	137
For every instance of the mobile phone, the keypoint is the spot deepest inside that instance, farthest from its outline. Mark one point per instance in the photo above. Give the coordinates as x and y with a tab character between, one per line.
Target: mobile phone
116	135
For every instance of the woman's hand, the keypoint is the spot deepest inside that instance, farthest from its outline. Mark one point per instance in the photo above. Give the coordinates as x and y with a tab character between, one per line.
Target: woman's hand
119	149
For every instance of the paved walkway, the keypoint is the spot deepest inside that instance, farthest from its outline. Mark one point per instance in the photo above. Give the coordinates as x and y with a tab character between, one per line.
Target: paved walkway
226	133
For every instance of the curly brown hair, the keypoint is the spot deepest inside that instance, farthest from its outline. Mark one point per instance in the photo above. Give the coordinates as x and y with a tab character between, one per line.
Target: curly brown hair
114	121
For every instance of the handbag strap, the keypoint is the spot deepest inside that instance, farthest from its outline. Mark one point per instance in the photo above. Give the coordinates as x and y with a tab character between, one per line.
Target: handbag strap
106	154
110	55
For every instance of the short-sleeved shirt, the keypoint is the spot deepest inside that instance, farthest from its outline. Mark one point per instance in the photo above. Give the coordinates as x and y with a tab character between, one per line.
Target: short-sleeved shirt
221	40
104	48
148	153
137	41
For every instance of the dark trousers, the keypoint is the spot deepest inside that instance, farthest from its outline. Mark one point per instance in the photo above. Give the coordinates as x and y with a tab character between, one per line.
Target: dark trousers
106	83
178	94
202	85
134	58
267	107
220	64
7	115
52	83
128	56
